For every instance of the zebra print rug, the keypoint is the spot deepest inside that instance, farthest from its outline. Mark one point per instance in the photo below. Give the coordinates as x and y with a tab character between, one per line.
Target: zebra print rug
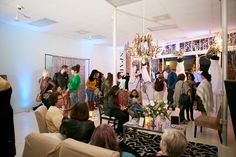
146	144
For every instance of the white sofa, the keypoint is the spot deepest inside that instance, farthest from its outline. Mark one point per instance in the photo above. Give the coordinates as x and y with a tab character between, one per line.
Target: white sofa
54	145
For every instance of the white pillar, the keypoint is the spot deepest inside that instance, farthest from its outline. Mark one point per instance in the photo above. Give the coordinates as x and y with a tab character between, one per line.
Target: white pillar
224	59
114	47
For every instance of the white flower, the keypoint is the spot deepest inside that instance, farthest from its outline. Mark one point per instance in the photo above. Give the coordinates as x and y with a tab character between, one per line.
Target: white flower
152	103
159	109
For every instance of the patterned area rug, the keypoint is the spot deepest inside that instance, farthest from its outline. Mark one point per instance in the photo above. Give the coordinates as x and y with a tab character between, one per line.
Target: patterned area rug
146	144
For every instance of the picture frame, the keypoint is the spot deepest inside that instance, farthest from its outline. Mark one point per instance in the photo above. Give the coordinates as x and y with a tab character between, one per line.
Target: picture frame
141	121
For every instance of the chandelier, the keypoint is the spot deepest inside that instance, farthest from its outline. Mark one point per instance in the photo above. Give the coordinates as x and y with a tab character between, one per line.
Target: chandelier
143	46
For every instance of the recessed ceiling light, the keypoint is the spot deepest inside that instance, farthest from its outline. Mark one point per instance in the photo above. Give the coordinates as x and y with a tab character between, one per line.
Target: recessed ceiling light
117	3
162	17
43	22
82	32
164	27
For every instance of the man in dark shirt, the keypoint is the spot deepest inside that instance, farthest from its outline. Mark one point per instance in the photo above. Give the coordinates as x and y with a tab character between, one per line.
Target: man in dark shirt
61	78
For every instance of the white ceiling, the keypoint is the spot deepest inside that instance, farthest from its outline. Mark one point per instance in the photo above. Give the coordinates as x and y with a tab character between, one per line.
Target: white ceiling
92	19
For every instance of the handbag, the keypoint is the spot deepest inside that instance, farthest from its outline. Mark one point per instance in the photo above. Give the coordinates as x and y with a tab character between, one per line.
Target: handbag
184	98
38	98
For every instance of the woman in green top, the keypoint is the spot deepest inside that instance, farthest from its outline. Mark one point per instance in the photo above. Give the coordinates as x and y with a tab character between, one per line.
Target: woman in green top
74	85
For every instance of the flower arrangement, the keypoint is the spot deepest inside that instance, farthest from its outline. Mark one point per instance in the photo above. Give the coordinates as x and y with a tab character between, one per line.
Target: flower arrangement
156	108
179	53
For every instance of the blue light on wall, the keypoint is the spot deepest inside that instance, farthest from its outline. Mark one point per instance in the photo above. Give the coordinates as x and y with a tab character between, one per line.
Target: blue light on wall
22	25
25	90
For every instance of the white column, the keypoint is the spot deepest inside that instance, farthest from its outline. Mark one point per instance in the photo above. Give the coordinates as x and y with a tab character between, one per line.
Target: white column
224	59
114	47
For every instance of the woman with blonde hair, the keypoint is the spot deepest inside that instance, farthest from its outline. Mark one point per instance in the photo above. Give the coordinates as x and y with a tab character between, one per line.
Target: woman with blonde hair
173	144
47	86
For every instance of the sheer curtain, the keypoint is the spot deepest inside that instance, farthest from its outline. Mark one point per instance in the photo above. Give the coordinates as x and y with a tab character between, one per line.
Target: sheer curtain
58	61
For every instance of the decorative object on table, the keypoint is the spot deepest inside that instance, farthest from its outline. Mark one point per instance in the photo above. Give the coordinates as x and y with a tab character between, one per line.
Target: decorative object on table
154	109
174	120
141	121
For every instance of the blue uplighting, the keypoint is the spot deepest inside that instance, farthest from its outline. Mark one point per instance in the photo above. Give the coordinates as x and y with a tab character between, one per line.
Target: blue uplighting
25	92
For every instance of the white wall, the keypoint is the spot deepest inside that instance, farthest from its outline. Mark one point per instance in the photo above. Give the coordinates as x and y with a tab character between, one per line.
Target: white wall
22	59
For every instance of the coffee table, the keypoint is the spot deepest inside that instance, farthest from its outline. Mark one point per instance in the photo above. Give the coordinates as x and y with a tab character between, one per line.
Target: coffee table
133	124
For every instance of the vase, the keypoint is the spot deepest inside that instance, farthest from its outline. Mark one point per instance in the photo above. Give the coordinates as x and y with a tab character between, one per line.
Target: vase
153	125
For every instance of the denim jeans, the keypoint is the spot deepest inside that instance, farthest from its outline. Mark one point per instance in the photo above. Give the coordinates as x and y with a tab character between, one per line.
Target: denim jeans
181	112
73	97
90	94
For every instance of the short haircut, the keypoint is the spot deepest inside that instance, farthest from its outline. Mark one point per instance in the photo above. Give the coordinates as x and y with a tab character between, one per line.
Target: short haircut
181	76
64	67
80	111
53	98
174	141
46	73
104	136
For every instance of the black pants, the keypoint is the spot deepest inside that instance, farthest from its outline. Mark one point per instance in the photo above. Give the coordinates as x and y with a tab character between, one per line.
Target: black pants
170	96
122	116
181	112
189	107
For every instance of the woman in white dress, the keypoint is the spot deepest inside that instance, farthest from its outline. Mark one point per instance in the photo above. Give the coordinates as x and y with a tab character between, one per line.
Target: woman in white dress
180	66
217	81
145	75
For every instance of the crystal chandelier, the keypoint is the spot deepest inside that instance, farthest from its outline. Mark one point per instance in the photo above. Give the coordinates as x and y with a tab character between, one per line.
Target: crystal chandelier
143	46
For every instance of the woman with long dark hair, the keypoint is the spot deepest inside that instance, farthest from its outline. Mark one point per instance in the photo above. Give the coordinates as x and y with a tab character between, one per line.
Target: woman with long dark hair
107	84
205	94
74	84
91	87
112	107
78	126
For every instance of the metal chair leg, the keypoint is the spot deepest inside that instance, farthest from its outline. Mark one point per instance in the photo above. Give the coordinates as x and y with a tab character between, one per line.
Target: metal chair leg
195	131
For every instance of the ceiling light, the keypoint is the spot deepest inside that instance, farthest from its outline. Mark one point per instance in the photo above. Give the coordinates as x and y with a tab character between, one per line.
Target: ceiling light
117	3
43	22
164	27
